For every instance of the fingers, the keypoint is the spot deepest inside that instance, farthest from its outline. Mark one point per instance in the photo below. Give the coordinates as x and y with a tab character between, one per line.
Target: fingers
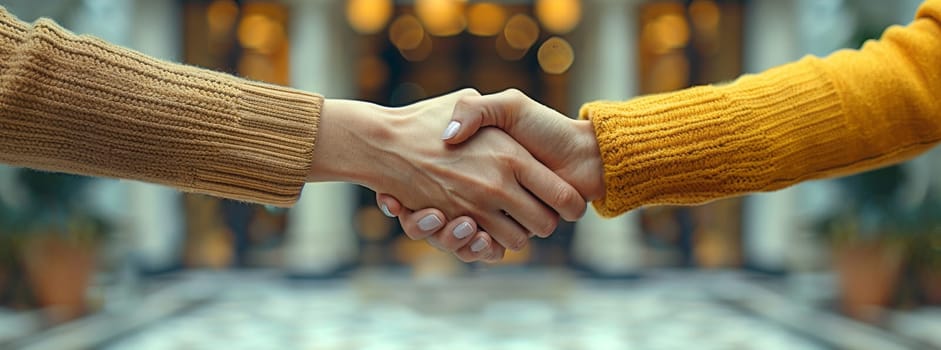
422	223
481	247
474	112
530	213
457	236
552	190
461	238
506	231
425	223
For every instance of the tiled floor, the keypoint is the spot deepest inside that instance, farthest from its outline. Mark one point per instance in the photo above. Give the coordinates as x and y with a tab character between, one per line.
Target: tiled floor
365	315
517	310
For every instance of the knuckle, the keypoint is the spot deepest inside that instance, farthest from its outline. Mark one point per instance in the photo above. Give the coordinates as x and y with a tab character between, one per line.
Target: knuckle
469	92
463	102
565	197
548	226
509	159
513	92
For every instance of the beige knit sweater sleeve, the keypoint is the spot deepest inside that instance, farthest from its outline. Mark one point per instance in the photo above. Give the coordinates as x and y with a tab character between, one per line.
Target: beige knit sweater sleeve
79	105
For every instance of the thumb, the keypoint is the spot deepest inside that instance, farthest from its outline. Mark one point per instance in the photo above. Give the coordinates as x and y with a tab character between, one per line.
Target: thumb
474	112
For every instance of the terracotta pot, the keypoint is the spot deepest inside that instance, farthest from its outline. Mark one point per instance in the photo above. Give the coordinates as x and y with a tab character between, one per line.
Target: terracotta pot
868	274
58	271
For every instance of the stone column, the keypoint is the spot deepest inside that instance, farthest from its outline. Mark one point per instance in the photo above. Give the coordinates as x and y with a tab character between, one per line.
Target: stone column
156	213
606	68
321	238
772	37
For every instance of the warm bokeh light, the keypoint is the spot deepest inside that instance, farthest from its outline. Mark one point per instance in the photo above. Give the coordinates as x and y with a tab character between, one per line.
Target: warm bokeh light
406	32
667	32
485	19
555	55
507	52
258	32
521	31
705	15
256	66
441	17
669	72
368	16
420	52
558	16
221	15
373	72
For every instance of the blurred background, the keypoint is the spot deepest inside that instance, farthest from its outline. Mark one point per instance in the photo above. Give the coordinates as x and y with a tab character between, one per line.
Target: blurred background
853	263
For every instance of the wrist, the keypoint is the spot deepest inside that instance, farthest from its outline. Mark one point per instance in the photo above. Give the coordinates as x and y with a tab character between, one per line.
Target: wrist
589	156
350	133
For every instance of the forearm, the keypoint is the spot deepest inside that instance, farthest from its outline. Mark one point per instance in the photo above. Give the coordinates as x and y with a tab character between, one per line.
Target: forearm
76	104
816	118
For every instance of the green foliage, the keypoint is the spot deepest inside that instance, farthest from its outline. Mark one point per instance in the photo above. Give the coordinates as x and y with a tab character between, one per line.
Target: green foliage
871	210
53	204
52	189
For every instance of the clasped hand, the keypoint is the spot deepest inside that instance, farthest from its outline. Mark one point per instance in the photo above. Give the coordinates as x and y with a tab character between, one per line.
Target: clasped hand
566	148
500	192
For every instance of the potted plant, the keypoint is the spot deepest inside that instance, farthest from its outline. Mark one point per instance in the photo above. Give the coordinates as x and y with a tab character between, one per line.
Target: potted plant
868	243
58	239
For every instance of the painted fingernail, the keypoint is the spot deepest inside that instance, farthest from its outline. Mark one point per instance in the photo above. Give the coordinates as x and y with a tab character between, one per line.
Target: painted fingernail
385	210
451	130
429	223
463	230
479	245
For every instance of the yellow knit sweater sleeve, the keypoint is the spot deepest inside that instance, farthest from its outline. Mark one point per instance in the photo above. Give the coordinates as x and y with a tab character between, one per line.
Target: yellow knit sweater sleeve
79	105
816	118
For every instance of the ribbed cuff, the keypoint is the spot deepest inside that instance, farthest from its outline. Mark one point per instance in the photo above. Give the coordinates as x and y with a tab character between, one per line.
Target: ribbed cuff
12	31
268	156
710	142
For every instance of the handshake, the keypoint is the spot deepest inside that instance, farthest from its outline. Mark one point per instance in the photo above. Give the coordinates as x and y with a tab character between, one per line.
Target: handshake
506	168
473	175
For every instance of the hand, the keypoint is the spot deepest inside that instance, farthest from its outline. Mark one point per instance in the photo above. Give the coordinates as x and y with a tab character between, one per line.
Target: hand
492	178
567	147
459	236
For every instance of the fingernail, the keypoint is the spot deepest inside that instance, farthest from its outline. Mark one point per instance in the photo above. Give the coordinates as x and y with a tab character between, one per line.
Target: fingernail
463	230
385	210
479	245
429	223
451	130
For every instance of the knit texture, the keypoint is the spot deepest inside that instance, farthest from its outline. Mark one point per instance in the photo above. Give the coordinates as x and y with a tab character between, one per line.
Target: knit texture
76	104
853	111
